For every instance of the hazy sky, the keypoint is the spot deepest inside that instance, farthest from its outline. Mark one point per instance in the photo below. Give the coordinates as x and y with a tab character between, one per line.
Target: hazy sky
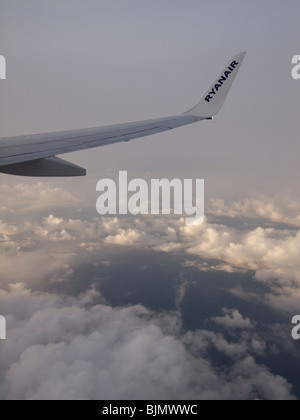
147	307
74	64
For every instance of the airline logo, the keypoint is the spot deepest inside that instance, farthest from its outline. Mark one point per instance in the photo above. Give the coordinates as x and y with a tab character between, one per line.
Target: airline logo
221	81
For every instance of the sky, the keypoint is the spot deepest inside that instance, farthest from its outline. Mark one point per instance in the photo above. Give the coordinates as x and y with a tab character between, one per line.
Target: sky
147	307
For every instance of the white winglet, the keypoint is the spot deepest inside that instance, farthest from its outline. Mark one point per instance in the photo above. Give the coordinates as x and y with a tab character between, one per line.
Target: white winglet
214	98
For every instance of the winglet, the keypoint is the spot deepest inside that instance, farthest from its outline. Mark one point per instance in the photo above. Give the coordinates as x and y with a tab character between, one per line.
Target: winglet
214	98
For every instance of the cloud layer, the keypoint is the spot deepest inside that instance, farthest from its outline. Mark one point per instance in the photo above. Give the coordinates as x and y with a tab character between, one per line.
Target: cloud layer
78	346
270	247
73	349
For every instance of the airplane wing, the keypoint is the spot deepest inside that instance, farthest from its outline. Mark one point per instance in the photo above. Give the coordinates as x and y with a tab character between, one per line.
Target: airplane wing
36	155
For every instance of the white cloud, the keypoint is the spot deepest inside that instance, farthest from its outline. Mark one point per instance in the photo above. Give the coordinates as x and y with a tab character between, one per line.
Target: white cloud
36	196
272	252
59	348
233	319
62	347
281	211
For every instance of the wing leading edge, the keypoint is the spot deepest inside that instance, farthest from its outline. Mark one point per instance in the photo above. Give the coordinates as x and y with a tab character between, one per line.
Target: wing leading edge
35	155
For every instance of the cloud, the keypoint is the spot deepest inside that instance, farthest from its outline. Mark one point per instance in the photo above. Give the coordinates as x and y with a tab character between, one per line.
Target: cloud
264	208
79	347
271	252
233	319
36	196
63	348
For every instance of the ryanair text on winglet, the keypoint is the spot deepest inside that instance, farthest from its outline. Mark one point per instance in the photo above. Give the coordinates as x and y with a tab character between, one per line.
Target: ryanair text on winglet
223	79
2	68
